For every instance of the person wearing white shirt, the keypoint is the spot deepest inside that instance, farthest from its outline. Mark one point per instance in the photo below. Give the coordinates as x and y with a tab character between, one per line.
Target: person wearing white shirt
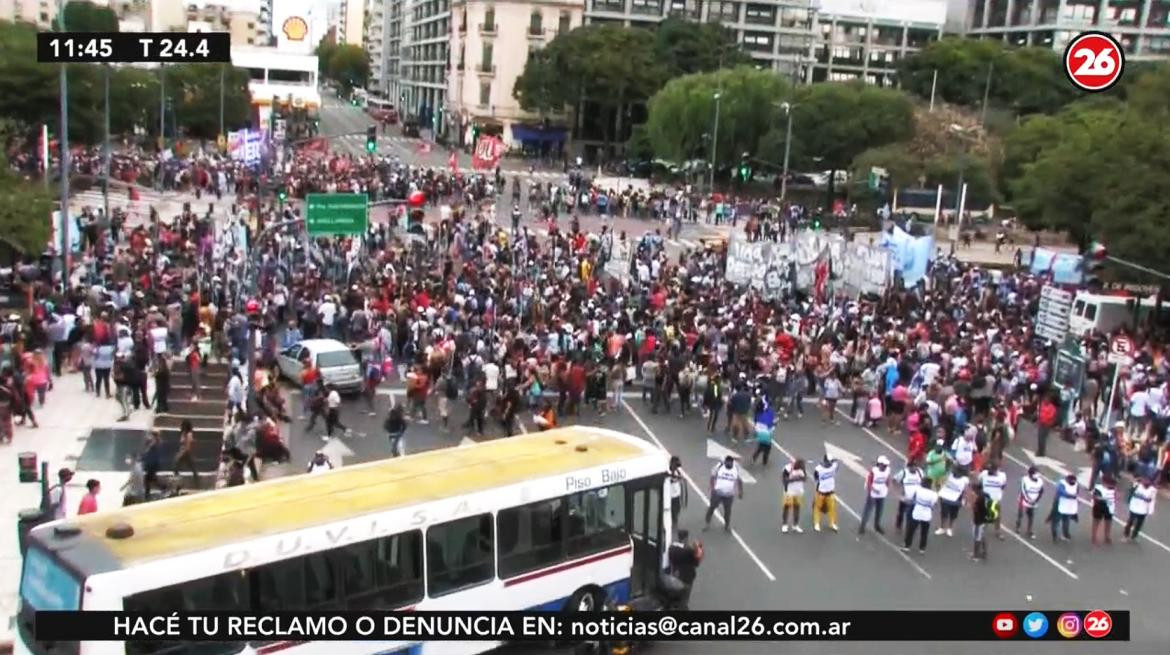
993	481
1138	404
825	500
964	450
1064	508
726	485
909	479
951	497
491	375
1031	489
877	486
1141	505
793	481
923	500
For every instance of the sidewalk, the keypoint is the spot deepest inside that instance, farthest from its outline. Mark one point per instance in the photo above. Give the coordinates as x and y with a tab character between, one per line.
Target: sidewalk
65	422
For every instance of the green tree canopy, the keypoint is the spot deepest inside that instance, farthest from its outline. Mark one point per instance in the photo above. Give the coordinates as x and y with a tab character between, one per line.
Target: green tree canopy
84	16
686	47
194	89
349	66
611	65
681	121
25	210
1024	80
832	123
1100	169
324	52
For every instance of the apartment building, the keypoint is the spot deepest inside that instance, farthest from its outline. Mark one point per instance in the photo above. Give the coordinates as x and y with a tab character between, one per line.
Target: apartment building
350	21
864	39
246	27
490	44
424	60
383	44
1141	26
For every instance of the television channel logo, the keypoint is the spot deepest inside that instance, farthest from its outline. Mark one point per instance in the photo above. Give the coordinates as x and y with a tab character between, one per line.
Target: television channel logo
1036	625
1069	625
1005	625
1098	624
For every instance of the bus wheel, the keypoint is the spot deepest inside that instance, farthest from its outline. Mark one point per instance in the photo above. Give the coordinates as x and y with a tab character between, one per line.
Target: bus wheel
586	599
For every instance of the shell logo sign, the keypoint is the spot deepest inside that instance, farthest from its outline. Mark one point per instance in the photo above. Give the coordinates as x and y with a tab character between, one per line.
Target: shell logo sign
295	28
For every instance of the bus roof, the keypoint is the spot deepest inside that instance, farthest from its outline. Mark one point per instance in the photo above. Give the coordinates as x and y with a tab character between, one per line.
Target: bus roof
205	521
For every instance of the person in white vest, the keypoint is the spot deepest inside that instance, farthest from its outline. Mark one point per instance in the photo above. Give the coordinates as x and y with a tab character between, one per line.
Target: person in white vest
1031	489
877	487
1104	507
909	479
1064	507
825	499
923	499
951	497
726	485
320	463
993	481
1141	505
793	481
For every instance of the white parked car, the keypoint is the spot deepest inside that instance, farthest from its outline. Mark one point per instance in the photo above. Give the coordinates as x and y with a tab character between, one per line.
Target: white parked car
336	361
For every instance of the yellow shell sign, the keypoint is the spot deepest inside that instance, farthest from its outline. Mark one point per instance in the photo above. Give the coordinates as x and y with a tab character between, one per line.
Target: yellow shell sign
295	28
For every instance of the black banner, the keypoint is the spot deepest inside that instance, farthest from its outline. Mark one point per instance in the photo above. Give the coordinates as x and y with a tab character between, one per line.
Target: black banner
132	47
544	626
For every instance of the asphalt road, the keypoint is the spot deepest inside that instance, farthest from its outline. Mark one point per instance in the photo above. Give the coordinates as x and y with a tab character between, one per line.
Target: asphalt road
757	567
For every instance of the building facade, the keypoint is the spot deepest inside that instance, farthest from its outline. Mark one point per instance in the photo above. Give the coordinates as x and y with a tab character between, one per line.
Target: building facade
1141	26
491	42
423	62
778	34
864	39
350	21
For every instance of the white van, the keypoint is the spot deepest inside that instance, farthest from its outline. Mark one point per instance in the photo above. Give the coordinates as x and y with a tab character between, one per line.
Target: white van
1105	313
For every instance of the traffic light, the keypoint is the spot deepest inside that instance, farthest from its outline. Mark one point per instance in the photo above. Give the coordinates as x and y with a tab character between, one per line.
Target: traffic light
371	138
281	193
745	169
474	135
1093	263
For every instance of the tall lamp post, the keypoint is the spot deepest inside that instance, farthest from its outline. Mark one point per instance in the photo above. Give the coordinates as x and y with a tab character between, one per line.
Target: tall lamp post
63	144
714	143
787	107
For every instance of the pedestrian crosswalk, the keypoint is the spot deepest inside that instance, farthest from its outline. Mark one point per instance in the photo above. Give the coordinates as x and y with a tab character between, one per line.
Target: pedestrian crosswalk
682	244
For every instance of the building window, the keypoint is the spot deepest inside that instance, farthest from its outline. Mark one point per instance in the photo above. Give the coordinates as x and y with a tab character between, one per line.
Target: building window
757	42
485	94
565	24
1023	13
489	19
760	15
1158	45
486	58
1122	12
1159	15
794	17
721	12
1080	11
649	7
536	23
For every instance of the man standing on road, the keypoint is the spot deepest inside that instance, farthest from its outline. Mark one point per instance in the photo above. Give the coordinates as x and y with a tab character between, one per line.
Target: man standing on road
726	484
909	478
877	486
824	501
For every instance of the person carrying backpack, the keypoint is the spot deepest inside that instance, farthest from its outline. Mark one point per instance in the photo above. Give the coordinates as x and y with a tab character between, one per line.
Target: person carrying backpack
373	378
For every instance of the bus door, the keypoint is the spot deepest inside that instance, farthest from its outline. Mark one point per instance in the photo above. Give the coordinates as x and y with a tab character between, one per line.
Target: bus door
644	518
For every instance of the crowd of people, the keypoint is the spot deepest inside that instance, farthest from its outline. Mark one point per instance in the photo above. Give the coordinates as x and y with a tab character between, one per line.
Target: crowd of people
487	320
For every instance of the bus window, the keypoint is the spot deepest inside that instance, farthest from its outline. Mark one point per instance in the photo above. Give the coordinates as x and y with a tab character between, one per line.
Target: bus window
321	590
1090	312
460	554
597	520
1079	308
226	592
382	574
531	537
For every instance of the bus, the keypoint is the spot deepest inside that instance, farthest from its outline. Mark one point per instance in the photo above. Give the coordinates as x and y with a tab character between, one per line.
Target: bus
564	520
381	110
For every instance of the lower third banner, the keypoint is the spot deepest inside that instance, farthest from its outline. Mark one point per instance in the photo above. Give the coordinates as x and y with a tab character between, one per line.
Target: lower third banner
545	626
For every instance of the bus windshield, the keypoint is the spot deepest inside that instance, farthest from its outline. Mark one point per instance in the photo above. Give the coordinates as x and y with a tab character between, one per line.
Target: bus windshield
46	585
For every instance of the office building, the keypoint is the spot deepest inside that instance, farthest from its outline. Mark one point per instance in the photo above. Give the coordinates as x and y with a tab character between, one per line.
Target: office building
863	39
423	61
1141	26
383	43
350	21
490	45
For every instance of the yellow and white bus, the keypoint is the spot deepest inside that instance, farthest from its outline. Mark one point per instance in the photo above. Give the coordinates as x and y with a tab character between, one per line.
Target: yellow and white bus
560	520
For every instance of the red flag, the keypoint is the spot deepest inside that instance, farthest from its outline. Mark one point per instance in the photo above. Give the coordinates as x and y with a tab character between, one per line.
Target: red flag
453	163
487	152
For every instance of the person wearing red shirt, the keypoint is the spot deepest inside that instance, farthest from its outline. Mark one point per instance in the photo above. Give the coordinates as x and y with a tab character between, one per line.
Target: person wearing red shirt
89	503
576	387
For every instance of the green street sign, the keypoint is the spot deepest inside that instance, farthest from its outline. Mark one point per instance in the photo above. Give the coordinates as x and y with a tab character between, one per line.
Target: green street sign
336	213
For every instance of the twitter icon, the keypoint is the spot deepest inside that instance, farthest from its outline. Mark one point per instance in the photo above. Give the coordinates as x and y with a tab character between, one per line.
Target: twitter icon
1035	625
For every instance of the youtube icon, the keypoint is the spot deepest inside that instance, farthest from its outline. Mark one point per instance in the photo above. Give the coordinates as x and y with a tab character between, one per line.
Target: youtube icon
1005	626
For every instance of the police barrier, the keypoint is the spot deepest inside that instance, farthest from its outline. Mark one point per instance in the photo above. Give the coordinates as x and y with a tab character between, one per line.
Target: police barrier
545	626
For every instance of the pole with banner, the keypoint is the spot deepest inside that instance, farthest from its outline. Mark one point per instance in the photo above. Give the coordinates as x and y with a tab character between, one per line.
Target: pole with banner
1120	348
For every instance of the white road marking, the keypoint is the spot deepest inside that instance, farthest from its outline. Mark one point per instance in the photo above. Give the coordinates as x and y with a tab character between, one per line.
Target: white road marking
1027	544
698	492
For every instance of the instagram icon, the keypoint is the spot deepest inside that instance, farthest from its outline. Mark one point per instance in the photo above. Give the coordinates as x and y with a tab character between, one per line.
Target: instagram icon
1068	625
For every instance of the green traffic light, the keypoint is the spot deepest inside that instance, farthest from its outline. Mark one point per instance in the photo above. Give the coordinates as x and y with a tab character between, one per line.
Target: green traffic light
370	147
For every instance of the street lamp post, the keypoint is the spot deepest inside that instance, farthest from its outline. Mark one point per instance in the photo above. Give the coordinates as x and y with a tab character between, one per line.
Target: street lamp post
788	107
63	144
106	149
714	142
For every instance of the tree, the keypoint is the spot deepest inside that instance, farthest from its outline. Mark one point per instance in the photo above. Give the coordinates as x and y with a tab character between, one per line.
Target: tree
349	66
194	89
612	66
681	123
25	210
686	47
324	52
1024	80
834	122
84	16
